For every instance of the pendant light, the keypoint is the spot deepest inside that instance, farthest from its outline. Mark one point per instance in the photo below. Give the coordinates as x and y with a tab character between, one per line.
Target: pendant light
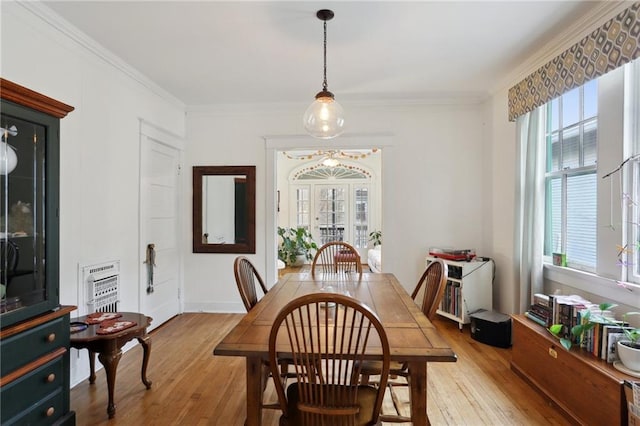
324	119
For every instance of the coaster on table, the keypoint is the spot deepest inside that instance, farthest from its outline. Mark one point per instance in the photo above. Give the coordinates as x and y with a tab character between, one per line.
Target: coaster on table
98	317
110	327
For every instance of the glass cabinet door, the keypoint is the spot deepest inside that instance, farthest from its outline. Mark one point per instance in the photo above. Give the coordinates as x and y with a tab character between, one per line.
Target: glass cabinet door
23	213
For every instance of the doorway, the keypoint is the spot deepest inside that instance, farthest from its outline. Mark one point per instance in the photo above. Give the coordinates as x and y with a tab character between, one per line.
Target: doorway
275	203
337	202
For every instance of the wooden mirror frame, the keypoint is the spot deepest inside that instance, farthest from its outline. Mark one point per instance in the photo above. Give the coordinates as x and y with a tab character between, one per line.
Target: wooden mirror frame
199	172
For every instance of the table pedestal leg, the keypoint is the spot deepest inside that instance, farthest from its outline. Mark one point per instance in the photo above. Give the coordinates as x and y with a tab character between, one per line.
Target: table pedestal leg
110	363
92	367
145	342
418	393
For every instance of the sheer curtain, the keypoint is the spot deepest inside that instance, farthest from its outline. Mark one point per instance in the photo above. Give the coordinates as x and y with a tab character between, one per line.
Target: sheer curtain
530	196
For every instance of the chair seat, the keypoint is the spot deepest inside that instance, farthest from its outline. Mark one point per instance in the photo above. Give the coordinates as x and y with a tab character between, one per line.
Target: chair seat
365	403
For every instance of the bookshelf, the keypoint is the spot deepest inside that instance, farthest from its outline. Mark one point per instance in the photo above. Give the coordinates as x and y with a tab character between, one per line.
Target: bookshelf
469	288
585	388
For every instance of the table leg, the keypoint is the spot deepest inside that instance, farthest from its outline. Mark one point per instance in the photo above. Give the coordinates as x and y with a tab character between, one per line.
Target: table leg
92	367
254	391
110	363
418	393
145	341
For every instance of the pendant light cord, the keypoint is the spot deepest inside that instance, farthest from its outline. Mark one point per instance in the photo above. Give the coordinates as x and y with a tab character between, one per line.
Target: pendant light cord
324	82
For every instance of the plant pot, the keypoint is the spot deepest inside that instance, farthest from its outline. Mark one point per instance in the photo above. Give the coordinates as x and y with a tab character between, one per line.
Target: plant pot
300	260
629	356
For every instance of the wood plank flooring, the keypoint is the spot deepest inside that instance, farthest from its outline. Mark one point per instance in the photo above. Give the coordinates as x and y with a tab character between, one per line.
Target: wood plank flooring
192	387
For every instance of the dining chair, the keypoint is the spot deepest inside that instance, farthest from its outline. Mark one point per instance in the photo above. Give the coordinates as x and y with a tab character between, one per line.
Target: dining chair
336	257
328	336
246	278
434	281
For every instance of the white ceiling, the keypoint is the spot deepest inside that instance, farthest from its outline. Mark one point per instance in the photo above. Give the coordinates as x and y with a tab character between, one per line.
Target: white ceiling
213	52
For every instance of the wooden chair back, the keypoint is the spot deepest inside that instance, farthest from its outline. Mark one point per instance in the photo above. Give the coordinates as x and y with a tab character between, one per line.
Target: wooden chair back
246	278
434	279
336	257
326	337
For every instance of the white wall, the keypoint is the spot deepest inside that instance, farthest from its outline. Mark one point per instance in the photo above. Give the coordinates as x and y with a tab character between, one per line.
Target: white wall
99	148
433	183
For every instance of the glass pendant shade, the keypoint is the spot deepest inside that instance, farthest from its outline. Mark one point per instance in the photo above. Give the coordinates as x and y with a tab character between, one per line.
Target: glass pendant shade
8	159
324	119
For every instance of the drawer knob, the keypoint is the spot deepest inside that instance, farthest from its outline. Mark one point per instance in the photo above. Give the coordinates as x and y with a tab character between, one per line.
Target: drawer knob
51	337
51	377
50	411
552	353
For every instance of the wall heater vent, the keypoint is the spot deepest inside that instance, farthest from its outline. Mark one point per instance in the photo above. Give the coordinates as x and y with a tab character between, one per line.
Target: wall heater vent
101	283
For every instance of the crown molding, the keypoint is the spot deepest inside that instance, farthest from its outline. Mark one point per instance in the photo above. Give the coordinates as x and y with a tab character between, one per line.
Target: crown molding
64	27
436	99
601	13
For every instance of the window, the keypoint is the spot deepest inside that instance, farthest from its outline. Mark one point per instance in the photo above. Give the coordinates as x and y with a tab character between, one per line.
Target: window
361	222
592	186
632	131
303	209
571	180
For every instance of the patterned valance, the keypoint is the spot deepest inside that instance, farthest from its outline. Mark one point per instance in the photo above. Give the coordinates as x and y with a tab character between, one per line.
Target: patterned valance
607	48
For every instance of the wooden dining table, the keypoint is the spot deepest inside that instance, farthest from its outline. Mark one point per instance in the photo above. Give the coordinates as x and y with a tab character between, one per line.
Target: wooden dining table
412	337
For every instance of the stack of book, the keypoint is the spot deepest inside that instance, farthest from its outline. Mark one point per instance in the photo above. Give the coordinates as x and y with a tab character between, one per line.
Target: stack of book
558	309
540	311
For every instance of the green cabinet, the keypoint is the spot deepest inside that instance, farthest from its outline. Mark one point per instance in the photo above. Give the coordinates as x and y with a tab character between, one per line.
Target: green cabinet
34	328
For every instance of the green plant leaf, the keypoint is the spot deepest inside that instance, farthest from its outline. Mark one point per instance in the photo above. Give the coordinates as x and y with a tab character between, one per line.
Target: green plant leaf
556	329
566	343
606	306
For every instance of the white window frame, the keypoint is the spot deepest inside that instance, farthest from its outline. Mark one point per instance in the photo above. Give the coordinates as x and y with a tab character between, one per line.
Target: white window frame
610	281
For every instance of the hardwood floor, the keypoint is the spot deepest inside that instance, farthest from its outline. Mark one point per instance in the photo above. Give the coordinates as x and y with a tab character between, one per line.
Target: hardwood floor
192	387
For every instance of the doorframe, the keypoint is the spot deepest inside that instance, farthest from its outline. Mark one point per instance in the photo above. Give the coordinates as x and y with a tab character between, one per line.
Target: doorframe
172	140
275	143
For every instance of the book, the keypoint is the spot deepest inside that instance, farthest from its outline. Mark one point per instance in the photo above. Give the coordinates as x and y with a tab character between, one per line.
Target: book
606	329
612	350
541	299
535	319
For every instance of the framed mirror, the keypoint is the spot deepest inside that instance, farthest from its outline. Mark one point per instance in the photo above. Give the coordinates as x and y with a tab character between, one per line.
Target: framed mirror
224	209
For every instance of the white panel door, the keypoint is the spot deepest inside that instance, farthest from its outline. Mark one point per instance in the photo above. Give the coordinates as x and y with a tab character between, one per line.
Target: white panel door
159	225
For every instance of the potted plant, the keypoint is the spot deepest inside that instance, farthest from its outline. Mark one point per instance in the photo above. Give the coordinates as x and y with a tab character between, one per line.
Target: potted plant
296	245
628	348
376	238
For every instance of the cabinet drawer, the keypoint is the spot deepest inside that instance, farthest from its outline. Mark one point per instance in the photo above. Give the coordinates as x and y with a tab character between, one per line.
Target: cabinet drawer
576	385
44	412
22	348
34	386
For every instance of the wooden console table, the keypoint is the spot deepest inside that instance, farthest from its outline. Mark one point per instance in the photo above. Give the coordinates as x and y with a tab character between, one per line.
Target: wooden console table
109	349
584	387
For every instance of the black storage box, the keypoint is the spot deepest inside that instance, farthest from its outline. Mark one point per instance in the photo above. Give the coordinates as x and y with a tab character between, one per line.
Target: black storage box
492	328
